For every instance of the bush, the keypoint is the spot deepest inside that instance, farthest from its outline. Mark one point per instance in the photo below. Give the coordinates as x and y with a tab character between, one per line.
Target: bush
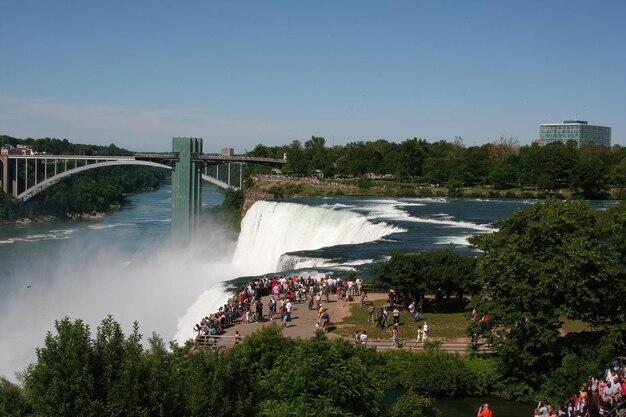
425	193
12	401
414	405
439	373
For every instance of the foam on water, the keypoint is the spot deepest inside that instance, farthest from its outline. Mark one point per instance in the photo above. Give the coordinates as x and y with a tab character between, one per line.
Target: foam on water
454	240
108	226
271	229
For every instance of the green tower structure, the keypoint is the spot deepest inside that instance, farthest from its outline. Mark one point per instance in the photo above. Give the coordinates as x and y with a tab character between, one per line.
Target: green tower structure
186	186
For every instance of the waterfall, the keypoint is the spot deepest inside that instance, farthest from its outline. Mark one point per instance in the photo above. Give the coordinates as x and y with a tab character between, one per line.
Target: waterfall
271	229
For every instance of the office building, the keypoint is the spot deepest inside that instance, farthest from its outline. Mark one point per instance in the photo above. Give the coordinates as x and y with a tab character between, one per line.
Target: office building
579	131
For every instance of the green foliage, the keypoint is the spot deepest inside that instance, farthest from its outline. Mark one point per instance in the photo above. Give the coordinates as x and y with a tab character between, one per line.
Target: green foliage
109	375
62	381
286	190
9	209
64	147
442	272
500	165
319	368
231	209
12	400
575	368
363	183
439	373
414	405
544	264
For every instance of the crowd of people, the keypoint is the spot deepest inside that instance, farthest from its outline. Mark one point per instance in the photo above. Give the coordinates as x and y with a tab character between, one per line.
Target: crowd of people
596	396
284	291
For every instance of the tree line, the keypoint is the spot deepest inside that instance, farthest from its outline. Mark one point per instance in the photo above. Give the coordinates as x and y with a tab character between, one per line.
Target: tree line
502	164
109	373
55	146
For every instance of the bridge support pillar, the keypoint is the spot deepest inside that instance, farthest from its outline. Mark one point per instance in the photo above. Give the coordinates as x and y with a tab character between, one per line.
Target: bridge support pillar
186	187
5	173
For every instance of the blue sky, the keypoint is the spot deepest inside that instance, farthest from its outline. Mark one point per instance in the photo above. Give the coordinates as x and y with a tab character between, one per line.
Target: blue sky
238	73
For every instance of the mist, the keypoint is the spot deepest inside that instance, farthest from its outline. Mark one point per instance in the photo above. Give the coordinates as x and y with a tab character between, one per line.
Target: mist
131	270
88	279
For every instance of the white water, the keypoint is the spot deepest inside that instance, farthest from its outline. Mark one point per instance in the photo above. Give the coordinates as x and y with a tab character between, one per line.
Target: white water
272	229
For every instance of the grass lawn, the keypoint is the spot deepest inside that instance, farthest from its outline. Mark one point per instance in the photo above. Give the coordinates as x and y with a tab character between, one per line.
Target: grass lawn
444	322
441	325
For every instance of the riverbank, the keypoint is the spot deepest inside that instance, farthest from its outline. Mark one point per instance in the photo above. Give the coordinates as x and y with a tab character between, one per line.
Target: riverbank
266	187
94	215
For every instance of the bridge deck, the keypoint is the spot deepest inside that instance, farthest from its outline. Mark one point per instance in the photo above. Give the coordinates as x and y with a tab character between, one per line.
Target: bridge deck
143	156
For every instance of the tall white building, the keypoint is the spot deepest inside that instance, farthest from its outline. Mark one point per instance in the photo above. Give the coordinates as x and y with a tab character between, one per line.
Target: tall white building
579	131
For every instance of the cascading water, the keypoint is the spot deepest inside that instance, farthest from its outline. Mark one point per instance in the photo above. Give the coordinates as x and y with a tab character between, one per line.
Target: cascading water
271	229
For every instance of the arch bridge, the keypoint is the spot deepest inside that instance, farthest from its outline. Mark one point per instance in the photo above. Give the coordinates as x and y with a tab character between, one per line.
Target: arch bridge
24	176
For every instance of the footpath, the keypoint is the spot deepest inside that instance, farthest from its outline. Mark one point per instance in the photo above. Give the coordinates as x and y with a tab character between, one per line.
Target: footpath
303	325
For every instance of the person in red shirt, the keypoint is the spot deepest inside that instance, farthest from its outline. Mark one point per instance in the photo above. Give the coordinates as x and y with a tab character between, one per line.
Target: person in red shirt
484	411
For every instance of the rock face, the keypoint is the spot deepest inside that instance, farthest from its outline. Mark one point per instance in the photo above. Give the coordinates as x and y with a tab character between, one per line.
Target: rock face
252	195
37	219
94	215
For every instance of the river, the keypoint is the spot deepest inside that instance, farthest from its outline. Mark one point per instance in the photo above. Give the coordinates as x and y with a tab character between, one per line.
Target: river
125	265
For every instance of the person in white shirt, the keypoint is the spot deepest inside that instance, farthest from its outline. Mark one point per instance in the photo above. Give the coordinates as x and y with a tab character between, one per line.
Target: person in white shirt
364	338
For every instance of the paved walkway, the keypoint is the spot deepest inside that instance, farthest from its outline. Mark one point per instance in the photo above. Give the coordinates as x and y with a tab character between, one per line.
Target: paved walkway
303	325
303	320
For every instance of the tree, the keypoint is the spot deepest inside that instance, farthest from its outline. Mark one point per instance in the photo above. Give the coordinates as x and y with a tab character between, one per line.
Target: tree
318	368
542	265
591	172
442	272
414	405
61	382
12	400
109	375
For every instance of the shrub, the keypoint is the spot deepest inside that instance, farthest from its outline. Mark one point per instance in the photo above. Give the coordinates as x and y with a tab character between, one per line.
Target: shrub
414	405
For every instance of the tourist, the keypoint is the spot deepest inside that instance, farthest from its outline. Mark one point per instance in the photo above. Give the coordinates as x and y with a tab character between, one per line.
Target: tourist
541	410
412	311
357	337
237	337
420	335
370	311
418	309
396	316
259	311
324	320
364	298
272	307
391	297
379	318
395	336
385	318
284	315
364	338
484	411
289	308
425	332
